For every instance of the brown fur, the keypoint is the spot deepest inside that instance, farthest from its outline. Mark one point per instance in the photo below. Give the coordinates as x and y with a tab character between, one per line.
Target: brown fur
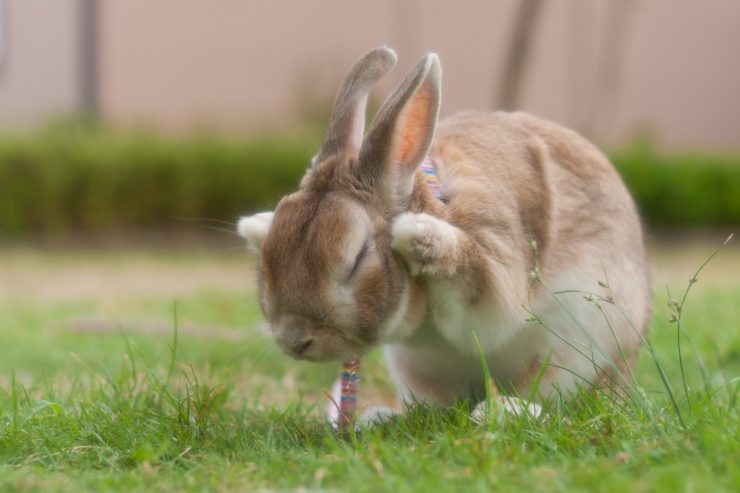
363	254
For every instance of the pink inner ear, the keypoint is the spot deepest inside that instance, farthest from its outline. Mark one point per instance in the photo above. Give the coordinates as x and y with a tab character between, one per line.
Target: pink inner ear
414	127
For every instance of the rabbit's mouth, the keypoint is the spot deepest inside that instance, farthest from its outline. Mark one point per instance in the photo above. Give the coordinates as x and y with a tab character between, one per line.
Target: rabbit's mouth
333	353
321	347
323	357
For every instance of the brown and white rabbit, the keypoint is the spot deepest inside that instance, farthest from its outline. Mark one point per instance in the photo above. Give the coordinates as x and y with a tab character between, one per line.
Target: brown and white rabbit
534	220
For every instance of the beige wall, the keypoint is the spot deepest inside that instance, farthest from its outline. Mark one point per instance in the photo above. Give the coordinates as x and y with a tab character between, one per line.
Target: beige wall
241	64
181	62
39	76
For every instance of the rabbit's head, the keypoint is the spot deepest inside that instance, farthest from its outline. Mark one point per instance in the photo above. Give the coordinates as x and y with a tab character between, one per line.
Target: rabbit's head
329	284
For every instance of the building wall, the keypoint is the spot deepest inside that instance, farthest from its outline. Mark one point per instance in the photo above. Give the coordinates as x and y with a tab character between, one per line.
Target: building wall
232	63
682	73
39	75
237	65
240	64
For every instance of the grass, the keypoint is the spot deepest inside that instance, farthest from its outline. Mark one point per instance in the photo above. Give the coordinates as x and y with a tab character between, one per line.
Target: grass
98	391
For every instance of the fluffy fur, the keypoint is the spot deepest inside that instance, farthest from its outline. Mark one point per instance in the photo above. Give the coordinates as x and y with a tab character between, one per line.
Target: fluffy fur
535	219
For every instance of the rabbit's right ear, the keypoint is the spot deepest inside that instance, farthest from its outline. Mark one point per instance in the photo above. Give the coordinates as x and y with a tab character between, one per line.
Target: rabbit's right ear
402	132
347	122
254	229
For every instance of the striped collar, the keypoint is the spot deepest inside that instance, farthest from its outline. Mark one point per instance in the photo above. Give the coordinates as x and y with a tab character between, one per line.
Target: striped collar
432	180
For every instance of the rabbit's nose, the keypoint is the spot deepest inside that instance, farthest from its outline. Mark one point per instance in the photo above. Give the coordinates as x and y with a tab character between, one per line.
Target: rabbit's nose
293	335
302	346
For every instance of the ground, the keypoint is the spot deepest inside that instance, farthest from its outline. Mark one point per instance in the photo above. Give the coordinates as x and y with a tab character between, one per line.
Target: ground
99	392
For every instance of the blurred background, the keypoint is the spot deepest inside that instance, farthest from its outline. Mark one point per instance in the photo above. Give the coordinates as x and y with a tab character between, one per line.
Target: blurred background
612	69
132	116
134	133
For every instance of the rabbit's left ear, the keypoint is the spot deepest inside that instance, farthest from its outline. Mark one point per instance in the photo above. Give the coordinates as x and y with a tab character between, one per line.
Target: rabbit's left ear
347	122
254	229
402	132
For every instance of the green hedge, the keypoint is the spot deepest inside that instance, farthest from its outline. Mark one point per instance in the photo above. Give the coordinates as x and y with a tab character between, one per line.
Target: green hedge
682	189
64	181
79	179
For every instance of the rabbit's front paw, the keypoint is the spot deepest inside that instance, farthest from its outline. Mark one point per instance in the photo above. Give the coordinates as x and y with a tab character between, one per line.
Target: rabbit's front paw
429	245
370	416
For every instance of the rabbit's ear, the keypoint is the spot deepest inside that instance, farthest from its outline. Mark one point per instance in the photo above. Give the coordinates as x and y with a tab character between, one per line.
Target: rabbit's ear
254	229
401	133
347	122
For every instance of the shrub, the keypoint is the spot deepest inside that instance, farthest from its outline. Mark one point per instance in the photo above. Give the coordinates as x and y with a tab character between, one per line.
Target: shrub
73	178
682	189
80	180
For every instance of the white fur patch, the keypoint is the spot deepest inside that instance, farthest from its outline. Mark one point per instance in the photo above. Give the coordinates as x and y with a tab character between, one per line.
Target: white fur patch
254	229
332	408
461	325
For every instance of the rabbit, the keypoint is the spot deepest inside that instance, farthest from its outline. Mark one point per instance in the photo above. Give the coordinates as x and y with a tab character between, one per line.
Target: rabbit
532	259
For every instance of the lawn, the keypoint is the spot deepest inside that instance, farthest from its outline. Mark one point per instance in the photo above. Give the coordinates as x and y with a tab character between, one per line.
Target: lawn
148	370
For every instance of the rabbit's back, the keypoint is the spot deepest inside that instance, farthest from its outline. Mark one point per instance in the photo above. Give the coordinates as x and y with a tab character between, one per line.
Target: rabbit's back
536	195
525	178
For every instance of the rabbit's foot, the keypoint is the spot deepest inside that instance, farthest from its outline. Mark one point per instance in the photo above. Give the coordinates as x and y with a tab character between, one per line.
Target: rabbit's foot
509	404
372	415
427	244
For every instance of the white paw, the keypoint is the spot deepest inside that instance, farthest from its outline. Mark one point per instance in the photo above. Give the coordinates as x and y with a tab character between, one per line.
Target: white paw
373	415
332	409
426	243
254	229
509	405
